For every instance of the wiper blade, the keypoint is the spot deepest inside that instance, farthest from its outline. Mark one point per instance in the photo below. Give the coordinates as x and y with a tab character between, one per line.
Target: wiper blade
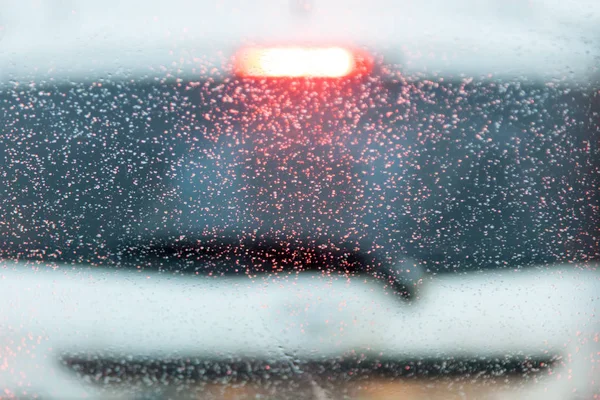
227	256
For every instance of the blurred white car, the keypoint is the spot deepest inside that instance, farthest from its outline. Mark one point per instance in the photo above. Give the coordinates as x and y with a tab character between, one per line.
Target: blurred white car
304	199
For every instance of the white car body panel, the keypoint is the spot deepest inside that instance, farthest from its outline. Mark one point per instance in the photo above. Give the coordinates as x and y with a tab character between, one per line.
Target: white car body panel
536	312
44	42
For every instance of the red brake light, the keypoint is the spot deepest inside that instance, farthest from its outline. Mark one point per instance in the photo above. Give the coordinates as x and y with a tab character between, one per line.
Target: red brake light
296	62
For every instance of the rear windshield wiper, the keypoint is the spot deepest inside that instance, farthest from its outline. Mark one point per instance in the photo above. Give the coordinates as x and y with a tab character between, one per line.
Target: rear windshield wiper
226	256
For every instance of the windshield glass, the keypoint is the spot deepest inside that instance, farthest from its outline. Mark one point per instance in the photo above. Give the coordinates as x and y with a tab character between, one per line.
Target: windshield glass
458	173
359	199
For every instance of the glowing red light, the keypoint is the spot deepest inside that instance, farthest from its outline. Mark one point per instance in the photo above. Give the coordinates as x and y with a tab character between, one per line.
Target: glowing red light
278	62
